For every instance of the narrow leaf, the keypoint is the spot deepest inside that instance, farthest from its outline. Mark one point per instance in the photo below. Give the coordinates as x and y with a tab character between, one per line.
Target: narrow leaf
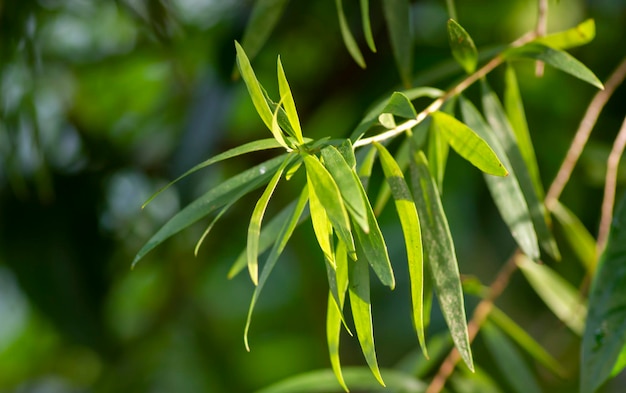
348	39
499	123
558	294
508	359
402	157
210	226
477	382
365	168
576	36
321	226
263	18
577	236
439	254
333	333
410	223
359	290
468	144
367	26
604	341
462	45
438	149
254	87
557	59
277	130
289	103
226	192
505	191
254	228
397	15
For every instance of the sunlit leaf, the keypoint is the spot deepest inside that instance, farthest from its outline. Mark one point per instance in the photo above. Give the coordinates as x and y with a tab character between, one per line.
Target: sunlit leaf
410	224
254	87
604	340
397	15
254	228
440	255
359	290
277	130
438	150
402	158
281	241
508	359
321	226
525	341
358	378
262	144
288	102
556	58
577	236
367	26
505	191
218	196
517	118
462	45
366	165
329	196
576	36
263	18
348	39
558	294
468	144
348	183
499	123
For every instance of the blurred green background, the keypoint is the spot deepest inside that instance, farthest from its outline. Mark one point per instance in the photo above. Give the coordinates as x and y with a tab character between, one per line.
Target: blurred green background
103	102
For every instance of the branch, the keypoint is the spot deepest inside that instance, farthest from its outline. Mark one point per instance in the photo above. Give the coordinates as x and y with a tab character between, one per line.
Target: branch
540	30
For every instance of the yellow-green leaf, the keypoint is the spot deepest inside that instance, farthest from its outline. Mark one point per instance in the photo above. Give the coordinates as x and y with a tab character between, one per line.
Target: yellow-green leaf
576	36
289	103
254	87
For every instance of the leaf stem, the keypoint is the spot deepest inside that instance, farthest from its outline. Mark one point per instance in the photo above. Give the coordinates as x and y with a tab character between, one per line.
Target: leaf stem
540	30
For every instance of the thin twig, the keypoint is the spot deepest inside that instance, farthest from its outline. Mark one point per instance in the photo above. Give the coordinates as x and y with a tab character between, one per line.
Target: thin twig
609	188
541	29
583	132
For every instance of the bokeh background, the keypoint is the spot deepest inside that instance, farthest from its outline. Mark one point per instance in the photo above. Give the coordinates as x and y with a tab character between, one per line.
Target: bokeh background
103	102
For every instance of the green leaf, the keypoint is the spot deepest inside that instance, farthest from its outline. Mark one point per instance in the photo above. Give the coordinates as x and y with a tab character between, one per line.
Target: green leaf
254	228
524	340
439	254
348	183
289	103
359	378
476	382
281	241
509	361
365	168
321	226
505	191
468	144
438	150
277	130
263	19
226	192
410	223
347	151
517	118
400	105
558	294
576	36
328	193
387	120
210	227
604	340
577	236
348	39
499	123
359	290
462	45
367	27
262	144
397	15
402	157
417	364
254	87
556	58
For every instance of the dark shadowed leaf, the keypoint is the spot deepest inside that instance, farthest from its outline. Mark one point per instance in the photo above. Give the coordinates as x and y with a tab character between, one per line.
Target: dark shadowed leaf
348	39
263	19
367	26
440	255
462	45
397	15
477	382
577	236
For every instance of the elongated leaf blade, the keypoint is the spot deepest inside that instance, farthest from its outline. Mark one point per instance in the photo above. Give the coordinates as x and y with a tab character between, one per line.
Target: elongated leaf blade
321	226
254	228
397	15
463	48
440	255
604	341
281	242
348	183
499	123
226	192
505	191
469	145
438	150
557	59
508	359
289	103
254	87
558	294
264	17
359	290
402	158
206	232
477	382
348	38
367	26
410	223
577	236
576	36
328	193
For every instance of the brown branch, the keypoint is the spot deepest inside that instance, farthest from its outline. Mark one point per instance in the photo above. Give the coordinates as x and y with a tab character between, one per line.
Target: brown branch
540	30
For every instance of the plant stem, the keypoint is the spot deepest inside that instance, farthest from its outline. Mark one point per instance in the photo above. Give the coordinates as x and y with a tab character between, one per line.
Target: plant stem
541	29
451	9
